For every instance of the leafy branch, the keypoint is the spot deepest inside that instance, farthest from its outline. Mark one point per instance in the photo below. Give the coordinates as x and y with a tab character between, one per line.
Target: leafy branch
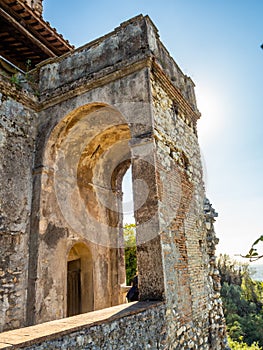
253	254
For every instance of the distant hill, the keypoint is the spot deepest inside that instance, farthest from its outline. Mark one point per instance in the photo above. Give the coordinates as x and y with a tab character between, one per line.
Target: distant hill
257	272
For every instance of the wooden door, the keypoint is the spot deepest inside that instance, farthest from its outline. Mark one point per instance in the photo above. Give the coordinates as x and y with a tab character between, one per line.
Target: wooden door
74	288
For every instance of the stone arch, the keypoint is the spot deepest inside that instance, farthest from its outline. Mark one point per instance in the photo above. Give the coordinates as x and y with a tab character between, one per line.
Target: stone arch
80	291
84	153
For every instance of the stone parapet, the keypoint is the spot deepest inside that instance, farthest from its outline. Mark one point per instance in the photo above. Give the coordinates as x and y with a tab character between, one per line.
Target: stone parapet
128	326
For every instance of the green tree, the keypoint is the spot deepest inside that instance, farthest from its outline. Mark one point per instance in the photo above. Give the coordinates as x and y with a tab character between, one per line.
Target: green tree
230	271
253	291
129	234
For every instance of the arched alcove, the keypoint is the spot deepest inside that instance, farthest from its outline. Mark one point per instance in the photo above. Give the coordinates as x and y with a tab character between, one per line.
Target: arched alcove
84	154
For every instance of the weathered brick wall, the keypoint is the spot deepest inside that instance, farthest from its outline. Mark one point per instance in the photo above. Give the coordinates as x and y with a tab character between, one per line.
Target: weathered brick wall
180	169
17	135
186	255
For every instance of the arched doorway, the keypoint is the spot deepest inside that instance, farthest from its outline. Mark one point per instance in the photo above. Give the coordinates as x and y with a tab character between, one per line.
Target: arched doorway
74	288
80	292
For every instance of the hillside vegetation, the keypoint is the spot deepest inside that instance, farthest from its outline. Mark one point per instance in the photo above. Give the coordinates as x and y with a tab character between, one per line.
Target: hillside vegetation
243	304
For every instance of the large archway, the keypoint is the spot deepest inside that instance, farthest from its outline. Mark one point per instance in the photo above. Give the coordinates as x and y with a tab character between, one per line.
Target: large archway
80	200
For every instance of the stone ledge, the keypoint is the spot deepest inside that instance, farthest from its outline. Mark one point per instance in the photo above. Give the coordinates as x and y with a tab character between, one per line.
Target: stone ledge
50	330
5	346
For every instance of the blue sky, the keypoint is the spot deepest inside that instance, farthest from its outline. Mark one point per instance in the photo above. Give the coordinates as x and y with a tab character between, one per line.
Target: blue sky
217	43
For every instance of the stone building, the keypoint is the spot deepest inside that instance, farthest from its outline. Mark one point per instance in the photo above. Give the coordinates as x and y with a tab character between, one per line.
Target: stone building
73	121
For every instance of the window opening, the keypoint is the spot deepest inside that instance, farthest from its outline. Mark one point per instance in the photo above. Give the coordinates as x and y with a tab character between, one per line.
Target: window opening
129	228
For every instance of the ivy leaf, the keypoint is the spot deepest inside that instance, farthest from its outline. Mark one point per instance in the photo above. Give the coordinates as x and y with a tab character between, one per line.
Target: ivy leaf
258	240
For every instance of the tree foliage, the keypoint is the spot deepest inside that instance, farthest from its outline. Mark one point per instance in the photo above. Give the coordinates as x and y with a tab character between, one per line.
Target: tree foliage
129	234
234	345
243	303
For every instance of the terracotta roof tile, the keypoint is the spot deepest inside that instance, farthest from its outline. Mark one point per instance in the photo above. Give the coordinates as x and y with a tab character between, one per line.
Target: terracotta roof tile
23	27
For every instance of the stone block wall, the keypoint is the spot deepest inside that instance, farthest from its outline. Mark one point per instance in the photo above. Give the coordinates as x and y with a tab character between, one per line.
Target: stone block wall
17	142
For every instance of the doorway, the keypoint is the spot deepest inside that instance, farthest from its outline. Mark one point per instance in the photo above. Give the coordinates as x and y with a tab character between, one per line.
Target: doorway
74	288
79	280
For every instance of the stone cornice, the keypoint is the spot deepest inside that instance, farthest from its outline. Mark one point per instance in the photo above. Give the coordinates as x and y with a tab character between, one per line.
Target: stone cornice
83	86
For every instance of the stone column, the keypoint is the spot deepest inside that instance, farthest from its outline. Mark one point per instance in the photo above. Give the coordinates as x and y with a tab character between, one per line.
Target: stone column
149	255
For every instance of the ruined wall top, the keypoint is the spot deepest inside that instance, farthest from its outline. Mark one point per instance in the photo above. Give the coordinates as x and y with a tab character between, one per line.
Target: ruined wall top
134	43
